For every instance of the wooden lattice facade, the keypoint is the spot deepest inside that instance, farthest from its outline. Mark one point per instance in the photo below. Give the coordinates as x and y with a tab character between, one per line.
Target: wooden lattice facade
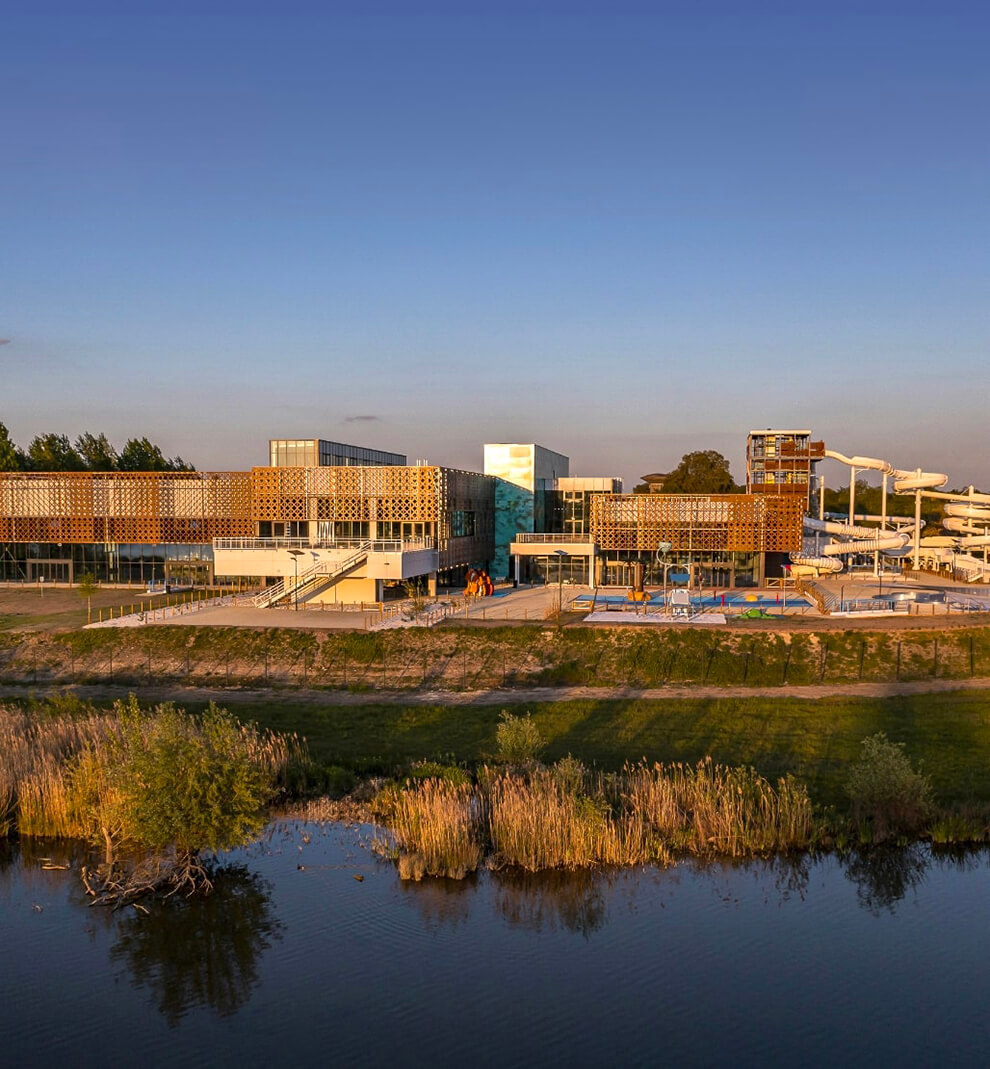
746	523
381	497
160	508
154	508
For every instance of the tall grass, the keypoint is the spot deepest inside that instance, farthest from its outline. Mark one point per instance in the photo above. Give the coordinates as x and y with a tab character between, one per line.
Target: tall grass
41	750
537	822
435	826
564	818
709	808
37	755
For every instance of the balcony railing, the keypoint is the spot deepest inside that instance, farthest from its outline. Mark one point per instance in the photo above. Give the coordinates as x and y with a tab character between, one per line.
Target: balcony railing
379	545
559	539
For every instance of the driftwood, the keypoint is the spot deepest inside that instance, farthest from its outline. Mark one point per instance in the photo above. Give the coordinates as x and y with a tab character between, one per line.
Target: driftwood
117	885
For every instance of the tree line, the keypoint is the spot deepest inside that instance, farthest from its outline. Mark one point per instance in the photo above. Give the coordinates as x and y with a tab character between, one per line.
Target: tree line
89	452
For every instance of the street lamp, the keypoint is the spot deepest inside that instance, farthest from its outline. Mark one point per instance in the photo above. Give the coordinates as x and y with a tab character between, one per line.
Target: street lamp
295	554
560	554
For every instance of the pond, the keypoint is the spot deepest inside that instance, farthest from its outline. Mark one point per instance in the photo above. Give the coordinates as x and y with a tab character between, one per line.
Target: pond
812	961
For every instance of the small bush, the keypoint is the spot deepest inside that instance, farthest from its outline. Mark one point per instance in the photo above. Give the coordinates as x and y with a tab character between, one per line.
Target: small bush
569	774
889	797
518	739
449	773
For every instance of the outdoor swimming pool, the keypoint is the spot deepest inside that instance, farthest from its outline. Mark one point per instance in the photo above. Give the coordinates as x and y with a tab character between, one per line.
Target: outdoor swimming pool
738	599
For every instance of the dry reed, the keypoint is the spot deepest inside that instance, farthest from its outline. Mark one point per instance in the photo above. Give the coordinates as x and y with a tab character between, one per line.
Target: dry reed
38	755
562	818
714	809
435	828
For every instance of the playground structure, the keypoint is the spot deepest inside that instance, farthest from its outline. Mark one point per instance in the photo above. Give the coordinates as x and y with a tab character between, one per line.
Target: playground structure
967	517
479	584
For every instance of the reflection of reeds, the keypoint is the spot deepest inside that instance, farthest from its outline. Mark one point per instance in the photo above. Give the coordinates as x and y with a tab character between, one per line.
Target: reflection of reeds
548	820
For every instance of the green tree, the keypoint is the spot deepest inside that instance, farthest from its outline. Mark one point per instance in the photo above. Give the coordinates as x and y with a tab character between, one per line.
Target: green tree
702	472
87	586
139	454
869	502
97	452
175	787
53	452
518	739
887	794
10	459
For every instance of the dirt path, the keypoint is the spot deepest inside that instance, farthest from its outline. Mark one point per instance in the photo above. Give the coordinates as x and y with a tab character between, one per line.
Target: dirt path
508	696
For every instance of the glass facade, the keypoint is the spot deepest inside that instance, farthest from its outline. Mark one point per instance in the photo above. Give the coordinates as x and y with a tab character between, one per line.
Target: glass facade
27	562
712	569
317	452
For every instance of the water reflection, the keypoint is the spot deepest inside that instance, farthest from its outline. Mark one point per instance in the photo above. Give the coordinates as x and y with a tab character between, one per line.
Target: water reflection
440	901
885	874
537	901
200	952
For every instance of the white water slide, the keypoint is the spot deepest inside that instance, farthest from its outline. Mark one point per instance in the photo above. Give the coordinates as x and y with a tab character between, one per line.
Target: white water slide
968	517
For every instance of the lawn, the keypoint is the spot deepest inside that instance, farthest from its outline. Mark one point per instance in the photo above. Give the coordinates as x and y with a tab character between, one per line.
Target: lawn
949	733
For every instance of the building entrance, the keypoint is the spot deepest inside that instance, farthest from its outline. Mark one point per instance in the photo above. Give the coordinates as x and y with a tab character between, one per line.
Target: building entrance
53	570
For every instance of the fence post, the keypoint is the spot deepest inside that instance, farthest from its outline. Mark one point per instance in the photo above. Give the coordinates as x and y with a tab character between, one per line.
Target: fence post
935	658
898	660
971	663
821	674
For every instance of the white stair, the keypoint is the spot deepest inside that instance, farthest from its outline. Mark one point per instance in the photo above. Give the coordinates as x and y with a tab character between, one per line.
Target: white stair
319	575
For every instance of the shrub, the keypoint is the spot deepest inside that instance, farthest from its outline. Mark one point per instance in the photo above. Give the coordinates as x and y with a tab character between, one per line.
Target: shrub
518	739
889	797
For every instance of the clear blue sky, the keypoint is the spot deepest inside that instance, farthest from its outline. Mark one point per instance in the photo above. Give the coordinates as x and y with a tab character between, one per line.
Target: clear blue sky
621	230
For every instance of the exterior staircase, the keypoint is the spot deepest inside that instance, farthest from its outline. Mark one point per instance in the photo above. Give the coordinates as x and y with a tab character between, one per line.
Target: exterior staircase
315	578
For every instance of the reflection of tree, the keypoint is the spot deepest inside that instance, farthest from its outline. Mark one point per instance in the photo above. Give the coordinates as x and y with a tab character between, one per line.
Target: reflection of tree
791	874
200	951
534	900
885	874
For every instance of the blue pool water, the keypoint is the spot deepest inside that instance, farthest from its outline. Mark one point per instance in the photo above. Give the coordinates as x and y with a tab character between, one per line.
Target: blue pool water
736	599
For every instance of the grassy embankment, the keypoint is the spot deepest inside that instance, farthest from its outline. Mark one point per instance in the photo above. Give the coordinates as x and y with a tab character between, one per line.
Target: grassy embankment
814	739
458	658
949	732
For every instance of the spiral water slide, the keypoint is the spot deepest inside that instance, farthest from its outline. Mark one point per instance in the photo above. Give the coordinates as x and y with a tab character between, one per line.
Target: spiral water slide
855	539
968	517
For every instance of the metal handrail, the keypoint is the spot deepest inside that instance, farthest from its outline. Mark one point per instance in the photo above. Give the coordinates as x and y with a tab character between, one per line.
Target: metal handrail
320	570
380	545
558	539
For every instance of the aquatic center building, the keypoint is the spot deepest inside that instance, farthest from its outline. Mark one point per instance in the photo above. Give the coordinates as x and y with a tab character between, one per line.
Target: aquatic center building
330	522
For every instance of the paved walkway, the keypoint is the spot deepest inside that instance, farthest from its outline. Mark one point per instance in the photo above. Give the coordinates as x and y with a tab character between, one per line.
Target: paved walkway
498	696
